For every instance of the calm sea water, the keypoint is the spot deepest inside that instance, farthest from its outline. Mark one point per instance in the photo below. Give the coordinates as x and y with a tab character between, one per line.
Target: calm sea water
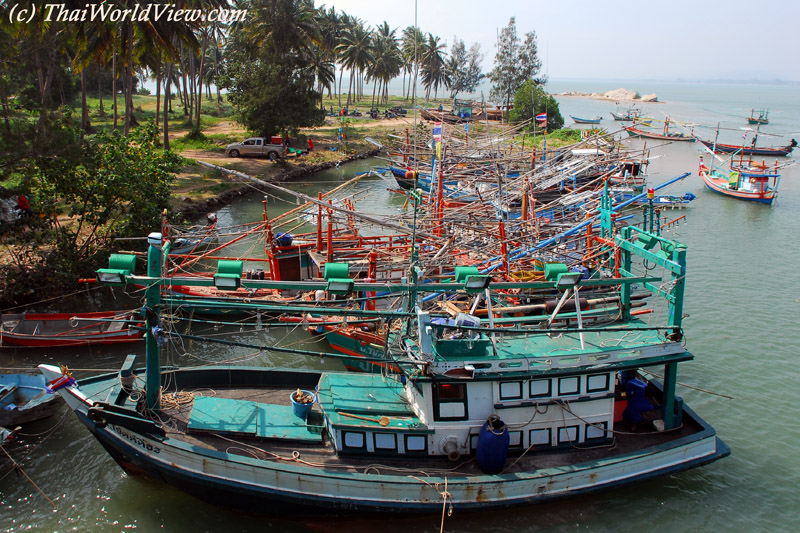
743	300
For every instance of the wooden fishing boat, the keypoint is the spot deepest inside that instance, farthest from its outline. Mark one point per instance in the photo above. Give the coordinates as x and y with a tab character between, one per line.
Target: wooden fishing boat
24	398
472	423
758	117
629	114
67	329
776	151
633	131
747	185
444	116
579	120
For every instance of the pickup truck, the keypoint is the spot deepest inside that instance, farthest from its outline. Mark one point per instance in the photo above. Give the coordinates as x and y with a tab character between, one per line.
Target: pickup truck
255	146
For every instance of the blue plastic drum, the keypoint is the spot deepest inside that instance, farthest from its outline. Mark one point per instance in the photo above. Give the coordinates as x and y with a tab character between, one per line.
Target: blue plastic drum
492	446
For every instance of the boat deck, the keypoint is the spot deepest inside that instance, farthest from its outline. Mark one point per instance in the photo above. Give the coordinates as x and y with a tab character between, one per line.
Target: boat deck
237	431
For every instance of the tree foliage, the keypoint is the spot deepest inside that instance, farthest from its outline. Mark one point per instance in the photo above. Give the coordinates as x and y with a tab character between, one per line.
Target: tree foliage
515	62
268	67
464	67
531	100
114	185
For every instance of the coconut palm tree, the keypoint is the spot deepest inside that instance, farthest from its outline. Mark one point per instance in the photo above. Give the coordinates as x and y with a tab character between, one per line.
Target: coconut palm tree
434	71
355	53
330	27
411	45
324	71
387	61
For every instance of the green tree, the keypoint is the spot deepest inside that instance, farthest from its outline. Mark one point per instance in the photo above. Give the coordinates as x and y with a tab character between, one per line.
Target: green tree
387	61
268	70
434	71
411	47
356	53
514	63
113	185
531	100
464	67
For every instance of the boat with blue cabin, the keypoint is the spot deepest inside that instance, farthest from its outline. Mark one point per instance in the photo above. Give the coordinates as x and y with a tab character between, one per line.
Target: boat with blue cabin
744	182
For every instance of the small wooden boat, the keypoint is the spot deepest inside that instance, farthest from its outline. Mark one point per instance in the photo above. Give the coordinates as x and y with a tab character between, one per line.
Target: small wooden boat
67	329
579	120
633	131
24	398
776	151
742	184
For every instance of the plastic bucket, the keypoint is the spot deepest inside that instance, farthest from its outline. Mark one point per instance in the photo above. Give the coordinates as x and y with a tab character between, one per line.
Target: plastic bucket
301	408
492	446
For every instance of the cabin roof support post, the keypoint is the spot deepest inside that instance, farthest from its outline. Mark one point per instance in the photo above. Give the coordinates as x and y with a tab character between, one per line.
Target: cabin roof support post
671	419
152	301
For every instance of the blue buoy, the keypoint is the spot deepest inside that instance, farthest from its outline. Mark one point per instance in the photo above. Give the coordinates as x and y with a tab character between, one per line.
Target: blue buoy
492	446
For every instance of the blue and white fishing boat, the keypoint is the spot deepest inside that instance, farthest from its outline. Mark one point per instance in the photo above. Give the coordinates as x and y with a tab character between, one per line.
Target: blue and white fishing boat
485	413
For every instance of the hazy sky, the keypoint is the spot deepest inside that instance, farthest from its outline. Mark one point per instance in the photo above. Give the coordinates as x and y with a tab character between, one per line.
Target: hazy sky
617	39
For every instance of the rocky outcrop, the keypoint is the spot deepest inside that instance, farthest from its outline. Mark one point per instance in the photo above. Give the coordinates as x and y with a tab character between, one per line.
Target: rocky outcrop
618	95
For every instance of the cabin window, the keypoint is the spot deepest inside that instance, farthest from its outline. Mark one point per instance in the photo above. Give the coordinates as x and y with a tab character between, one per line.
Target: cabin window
354	440
385	442
539	437
450	401
567	434
511	390
568	386
515	439
540	388
596	430
597	383
416	444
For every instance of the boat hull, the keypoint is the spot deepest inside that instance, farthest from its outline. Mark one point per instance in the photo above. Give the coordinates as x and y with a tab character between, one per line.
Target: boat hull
276	486
719	185
50	330
636	132
579	120
748	150
29	397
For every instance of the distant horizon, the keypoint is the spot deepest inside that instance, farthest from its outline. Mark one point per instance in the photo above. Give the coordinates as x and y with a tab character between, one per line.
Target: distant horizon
682	39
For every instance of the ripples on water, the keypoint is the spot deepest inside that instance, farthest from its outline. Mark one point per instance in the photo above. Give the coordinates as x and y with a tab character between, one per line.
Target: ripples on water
743	301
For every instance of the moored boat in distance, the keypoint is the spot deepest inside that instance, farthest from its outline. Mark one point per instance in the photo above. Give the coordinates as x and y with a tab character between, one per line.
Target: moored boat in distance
633	131
628	114
751	149
758	117
579	120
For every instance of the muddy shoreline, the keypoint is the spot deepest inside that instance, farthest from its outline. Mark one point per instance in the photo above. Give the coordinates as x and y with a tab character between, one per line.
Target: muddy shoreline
191	208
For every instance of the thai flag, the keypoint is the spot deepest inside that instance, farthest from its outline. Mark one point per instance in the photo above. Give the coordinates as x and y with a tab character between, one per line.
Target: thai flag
541	117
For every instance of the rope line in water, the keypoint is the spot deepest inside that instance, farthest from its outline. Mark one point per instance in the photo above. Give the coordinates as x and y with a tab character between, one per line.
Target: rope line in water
18	467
